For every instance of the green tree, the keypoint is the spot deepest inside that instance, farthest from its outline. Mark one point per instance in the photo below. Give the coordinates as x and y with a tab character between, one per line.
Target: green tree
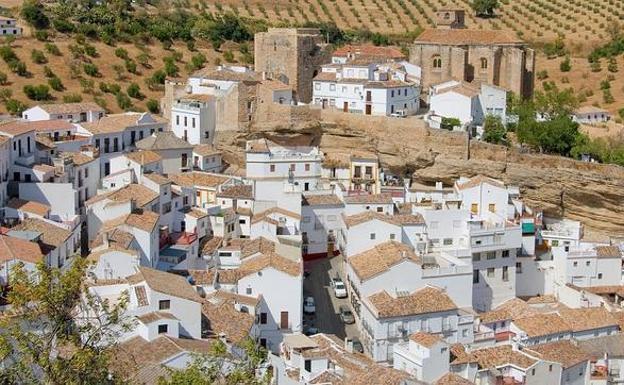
134	91
56	314
153	106
72	98
484	8
450	123
3	78
15	107
555	102
32	11
123	101
565	65
38	57
91	69
39	92
56	84
493	130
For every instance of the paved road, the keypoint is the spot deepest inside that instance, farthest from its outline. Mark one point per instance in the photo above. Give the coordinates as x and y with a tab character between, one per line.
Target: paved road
317	285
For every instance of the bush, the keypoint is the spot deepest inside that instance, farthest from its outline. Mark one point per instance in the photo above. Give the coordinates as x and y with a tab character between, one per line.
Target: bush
131	66
123	101
90	50
565	65
72	98
56	84
15	107
228	56
32	11
450	123
541	75
103	87
114	88
121	53
171	69
198	61
612	66
493	130
47	71
605	85
134	91
607	97
53	49
5	94
159	77
19	68
40	92
595	66
153	106
91	69
4	79
38	57
144	60
42	35
63	26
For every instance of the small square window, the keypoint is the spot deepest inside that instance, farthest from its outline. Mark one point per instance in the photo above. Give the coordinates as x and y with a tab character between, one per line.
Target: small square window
599	275
272	168
392	236
162	329
587	263
372	235
248	291
164	304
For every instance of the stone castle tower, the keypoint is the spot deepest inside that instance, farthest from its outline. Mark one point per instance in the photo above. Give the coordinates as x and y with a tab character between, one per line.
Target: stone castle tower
292	55
477	56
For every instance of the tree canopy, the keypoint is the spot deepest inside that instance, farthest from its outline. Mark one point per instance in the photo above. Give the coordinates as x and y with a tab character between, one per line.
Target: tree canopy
484	8
493	130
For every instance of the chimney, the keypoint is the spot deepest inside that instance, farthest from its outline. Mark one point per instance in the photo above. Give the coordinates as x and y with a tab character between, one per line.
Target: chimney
105	240
264	75
348	345
438	185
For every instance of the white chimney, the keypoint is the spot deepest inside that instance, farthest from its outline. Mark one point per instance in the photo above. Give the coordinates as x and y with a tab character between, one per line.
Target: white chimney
105	240
438	185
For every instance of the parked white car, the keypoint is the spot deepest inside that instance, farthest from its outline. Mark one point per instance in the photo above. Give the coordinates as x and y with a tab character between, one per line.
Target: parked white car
308	305
340	290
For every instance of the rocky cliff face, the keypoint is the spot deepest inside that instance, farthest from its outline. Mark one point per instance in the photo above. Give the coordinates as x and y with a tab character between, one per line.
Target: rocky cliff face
590	193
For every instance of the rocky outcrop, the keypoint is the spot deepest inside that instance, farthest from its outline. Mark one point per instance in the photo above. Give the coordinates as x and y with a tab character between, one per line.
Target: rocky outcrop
590	193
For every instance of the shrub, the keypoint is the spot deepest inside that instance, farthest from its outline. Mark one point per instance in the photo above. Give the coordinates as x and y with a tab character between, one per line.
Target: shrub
121	53
131	66
198	61
19	68
91	69
228	56
38	57
72	98
101	102
90	50
144	60
595	66
42	35
541	75
5	94
605	85
177	56
63	26
153	106
450	123
134	91
171	69
47	71
103	87
565	65
114	88
32	11
53	49
493	130
607	97
123	101
56	84
15	107
39	92
612	66
4	79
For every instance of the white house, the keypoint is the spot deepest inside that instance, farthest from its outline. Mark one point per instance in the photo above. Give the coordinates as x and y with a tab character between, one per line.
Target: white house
73	112
58	240
176	153
23	149
193	118
15	250
81	170
566	359
207	158
460	100
587	265
425	356
591	115
365	88
9	26
321	222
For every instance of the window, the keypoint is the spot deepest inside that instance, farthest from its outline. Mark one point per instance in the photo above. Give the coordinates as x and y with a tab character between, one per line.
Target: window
437	61
575	264
248	291
505	274
475	276
447	241
505	253
193	122
550	368
292	167
491	255
307	166
185	121
178	119
380	209
474	208
272	168
332	87
164	304
484	63
492	207
392	93
242	221
307	364
476	257
587	263
555	243
86	172
599	275
533	371
317	86
490	272
392	236
263	318
518	267
162	329
372	235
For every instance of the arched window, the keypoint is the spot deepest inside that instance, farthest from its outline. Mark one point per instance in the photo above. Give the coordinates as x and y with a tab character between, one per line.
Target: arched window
483	63
437	61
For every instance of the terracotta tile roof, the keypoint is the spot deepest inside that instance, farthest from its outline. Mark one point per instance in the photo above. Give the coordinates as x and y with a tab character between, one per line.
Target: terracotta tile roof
608	289
508	310
274	85
325	76
165	283
197	98
143	157
156	178
381	258
199	179
202	277
369	198
29	206
205	150
227	75
467	37
96	255
240	191
78	158
143	219
398	220
321	200
257	145
425	300
244	211
141	194
116	238
274	260
154	316
608	252
497	356
542	325
12	248
259	245
591	110
588	318
478	180
619	318
452	379
43	168
195	213
541	299
425	339
165	140
596	347
136	355
118	123
369	50
462	89
257	217
51	235
71	108
564	352
223	319
211	245
17	127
